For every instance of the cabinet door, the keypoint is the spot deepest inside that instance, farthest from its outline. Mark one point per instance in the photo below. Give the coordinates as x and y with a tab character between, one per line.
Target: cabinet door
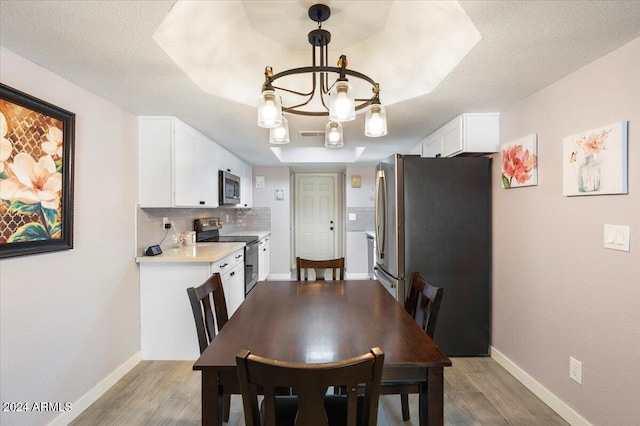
246	185
233	284
267	259
227	162
186	179
208	171
431	147
155	139
451	135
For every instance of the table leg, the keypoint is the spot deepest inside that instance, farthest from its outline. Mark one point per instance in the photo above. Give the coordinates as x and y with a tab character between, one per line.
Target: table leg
211	399
431	408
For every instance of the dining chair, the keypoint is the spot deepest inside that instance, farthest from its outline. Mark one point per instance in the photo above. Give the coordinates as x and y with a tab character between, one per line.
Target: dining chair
310	405
319	267
202	298
423	304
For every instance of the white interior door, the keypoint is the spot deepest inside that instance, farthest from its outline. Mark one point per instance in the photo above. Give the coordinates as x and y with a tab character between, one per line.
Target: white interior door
316	216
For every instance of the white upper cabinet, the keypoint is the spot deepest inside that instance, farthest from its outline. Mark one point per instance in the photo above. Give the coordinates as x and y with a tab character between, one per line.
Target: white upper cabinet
177	165
474	133
228	162
246	186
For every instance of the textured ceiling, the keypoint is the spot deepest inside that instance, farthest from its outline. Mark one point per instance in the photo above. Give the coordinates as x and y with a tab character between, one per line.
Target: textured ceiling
107	48
388	47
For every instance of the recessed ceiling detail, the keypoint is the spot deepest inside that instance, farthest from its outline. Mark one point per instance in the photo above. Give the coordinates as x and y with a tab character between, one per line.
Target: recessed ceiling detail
223	46
317	154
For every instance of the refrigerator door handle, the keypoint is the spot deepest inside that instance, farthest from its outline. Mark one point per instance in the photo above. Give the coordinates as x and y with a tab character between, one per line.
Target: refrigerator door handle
389	282
380	215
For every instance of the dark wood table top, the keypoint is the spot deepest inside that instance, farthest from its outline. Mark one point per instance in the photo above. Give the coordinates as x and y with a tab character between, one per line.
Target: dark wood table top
323	322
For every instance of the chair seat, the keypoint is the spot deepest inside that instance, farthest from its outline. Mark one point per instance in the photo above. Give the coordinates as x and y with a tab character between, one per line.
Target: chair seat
335	405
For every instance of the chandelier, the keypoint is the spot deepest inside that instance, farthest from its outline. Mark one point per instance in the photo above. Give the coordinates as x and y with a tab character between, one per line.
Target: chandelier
337	100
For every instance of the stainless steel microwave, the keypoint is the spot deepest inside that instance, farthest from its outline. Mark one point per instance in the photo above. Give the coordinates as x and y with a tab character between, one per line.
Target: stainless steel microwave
229	188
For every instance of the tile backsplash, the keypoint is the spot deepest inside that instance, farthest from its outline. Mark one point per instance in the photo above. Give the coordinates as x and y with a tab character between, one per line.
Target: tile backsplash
150	232
364	219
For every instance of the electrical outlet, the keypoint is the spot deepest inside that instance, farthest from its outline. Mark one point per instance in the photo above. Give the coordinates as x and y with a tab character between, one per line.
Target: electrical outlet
166	224
575	370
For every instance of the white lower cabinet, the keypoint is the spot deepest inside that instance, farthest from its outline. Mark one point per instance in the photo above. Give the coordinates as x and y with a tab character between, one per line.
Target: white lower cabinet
263	259
232	276
167	327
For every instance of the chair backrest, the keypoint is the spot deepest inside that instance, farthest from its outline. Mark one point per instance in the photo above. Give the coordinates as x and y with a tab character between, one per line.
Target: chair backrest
201	301
319	266
310	383
428	306
416	285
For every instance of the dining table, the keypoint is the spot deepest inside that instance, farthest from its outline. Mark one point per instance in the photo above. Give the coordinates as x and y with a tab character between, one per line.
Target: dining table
323	321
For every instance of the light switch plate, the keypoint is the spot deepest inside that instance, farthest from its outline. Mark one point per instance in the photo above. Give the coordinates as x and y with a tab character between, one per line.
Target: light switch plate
352	216
616	237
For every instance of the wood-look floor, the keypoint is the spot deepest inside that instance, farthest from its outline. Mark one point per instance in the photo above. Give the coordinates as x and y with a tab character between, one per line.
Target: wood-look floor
478	391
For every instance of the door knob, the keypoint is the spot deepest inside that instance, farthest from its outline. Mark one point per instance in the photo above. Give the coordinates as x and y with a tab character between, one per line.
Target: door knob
331	228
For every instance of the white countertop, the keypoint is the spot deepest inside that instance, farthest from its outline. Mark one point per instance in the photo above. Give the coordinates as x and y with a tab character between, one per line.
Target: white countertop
201	252
259	234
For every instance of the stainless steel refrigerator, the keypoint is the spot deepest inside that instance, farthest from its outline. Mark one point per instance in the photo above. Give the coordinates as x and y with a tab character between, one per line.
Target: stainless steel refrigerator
433	215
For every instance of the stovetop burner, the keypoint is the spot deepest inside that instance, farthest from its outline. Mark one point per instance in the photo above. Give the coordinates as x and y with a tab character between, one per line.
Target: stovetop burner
208	230
228	239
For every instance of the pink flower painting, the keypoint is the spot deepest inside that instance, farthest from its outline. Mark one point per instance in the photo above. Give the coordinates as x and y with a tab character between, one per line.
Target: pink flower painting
520	162
595	161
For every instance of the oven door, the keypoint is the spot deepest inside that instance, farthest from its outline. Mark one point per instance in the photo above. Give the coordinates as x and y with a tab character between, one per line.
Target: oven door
250	266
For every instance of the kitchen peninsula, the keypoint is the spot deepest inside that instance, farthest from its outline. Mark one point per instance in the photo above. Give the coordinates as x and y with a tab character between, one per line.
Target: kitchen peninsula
167	329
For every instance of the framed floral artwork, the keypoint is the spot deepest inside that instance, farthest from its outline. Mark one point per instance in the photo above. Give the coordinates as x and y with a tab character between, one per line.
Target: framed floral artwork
36	175
595	161
520	162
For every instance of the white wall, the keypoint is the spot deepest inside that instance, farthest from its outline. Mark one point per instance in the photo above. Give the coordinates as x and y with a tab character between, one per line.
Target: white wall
360	197
356	241
557	292
71	318
281	221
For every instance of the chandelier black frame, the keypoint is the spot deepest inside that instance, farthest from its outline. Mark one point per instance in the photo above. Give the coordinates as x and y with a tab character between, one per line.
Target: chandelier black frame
319	40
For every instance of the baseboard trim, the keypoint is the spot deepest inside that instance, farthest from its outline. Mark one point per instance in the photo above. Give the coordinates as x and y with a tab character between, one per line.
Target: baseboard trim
279	277
555	403
92	396
357	276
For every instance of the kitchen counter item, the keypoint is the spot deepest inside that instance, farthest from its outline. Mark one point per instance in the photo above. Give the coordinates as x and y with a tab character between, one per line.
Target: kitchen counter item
200	252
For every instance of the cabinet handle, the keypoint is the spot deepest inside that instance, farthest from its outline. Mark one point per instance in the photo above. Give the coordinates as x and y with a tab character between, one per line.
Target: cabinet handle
238	256
232	274
202	203
229	170
223	265
438	155
264	249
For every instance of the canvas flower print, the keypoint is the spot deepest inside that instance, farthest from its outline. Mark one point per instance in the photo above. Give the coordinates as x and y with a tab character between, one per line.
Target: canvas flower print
36	206
595	161
520	162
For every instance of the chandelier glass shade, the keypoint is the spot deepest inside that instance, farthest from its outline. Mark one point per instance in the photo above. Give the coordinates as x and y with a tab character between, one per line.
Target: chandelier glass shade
335	99
375	124
333	135
280	135
269	110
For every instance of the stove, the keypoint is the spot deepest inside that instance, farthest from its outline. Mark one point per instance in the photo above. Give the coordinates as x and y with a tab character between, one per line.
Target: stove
208	231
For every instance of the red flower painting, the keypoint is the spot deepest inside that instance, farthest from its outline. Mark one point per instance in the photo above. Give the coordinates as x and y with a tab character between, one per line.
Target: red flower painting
519	162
